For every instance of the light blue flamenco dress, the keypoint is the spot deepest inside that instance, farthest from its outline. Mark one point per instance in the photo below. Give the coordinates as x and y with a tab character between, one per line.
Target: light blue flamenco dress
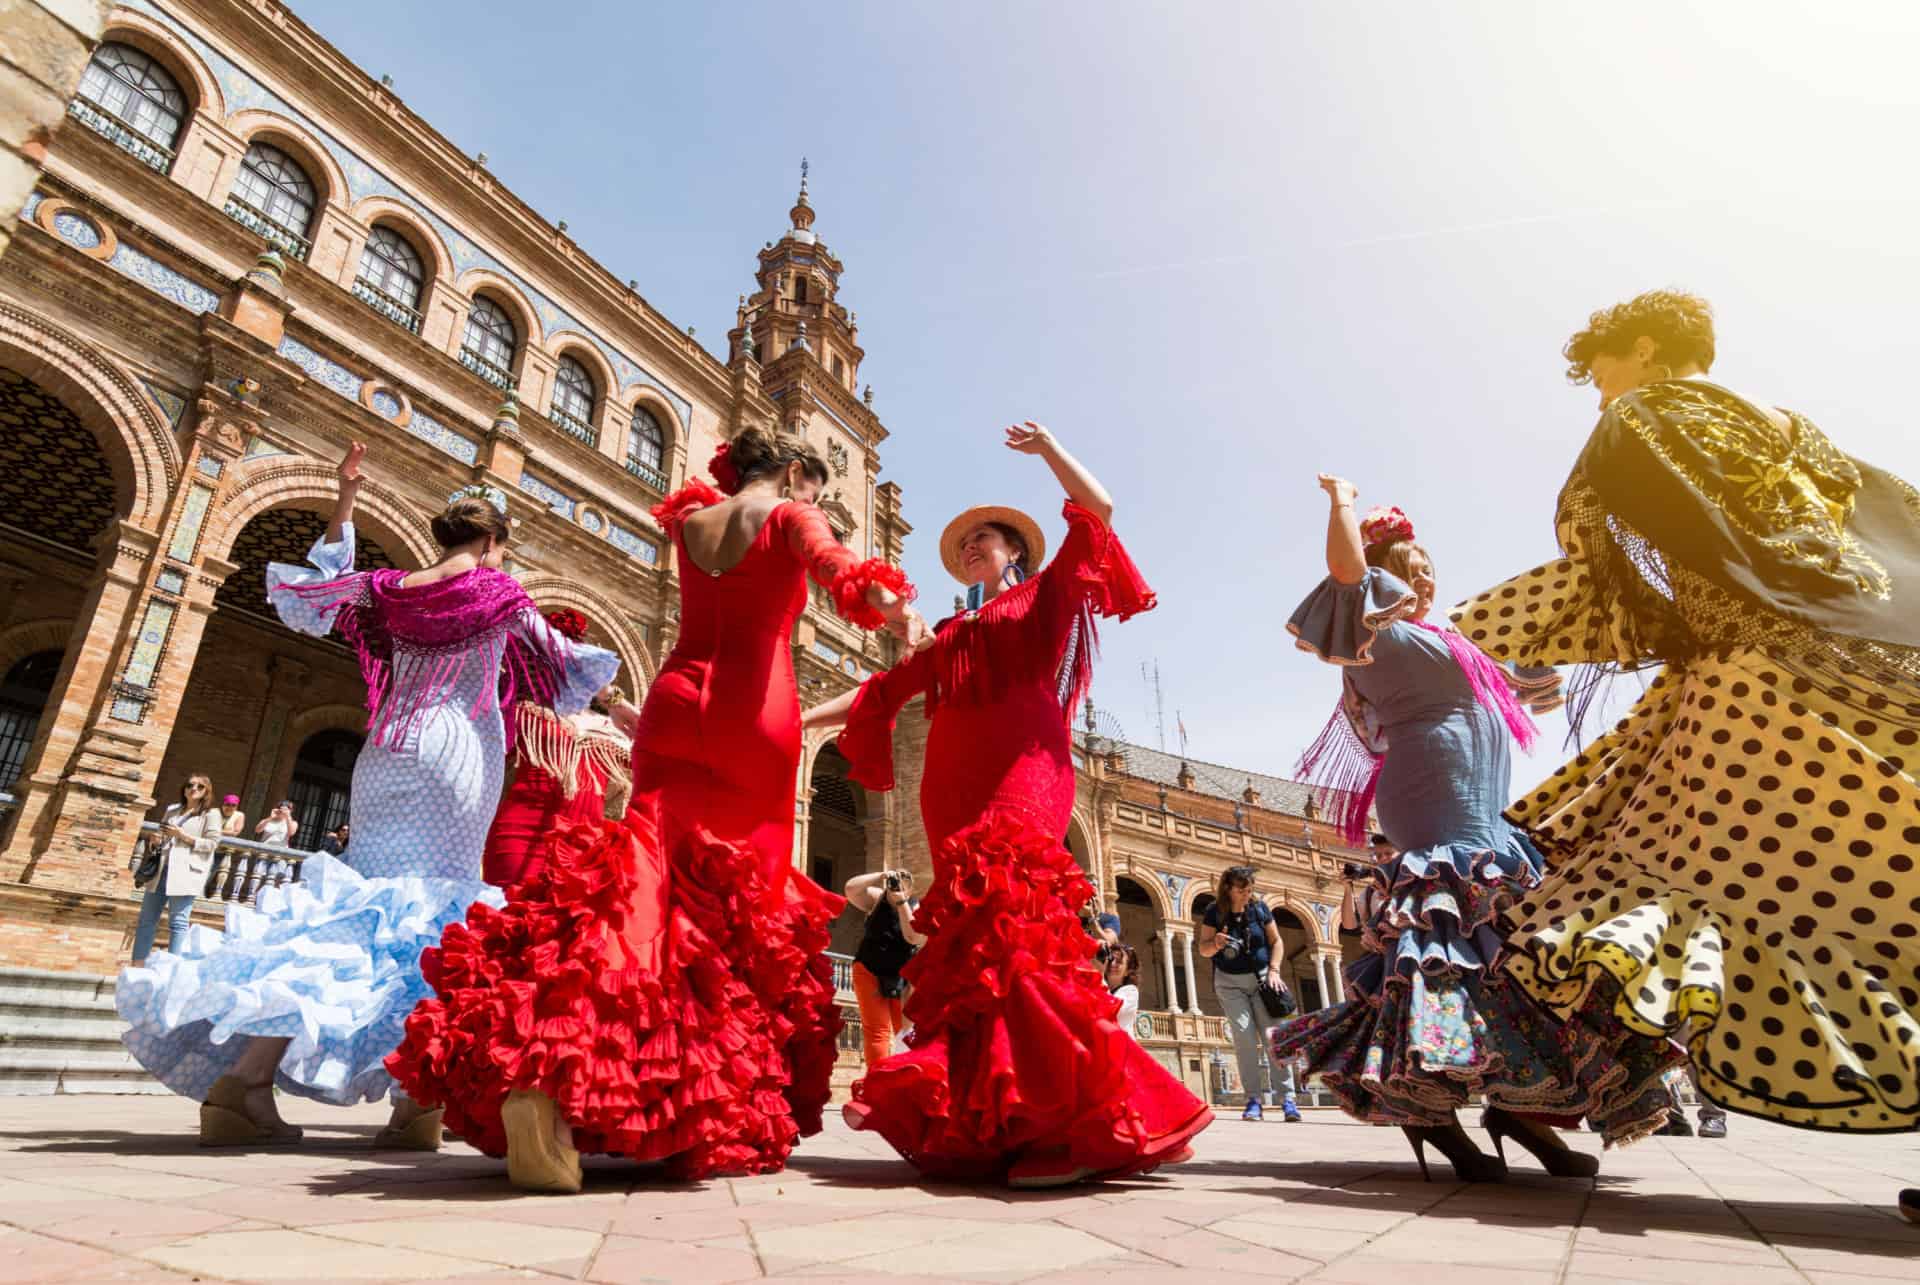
1430	1021
332	962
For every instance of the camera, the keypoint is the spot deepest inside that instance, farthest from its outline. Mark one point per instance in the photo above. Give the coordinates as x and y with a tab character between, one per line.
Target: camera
1355	872
893	883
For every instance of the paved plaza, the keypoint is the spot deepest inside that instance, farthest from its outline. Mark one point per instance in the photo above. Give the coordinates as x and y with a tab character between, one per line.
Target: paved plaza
113	1189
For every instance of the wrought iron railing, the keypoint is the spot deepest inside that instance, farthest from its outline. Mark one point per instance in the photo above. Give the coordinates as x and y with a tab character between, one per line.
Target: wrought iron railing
241	867
121	135
574	426
281	238
647	473
386	305
484	368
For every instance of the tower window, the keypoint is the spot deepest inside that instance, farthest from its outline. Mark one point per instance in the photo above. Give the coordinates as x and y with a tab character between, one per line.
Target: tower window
799	289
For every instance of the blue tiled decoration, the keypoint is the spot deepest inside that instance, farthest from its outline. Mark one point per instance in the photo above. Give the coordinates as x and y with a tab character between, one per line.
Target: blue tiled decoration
633	543
170	581
28	210
260	446
172	406
162	280
243	92
208	466
331	373
591	521
386	404
77	229
1176	888
429	429
547	495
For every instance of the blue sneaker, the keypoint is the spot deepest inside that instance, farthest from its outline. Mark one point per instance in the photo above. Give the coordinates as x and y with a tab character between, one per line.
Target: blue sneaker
1253	1110
1290	1111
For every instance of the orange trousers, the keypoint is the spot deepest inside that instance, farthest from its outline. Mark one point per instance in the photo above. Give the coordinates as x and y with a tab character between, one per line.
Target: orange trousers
880	1017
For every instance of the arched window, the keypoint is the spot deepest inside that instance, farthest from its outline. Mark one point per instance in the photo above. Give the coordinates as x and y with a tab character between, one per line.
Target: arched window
647	449
273	196
390	277
128	97
573	398
490	342
23	695
322	785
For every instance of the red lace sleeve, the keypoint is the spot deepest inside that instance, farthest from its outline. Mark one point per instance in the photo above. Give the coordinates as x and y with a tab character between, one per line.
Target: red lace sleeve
1092	567
834	567
672	512
867	739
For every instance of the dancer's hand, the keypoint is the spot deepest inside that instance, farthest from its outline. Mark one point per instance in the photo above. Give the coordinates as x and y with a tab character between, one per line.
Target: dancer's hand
1030	438
1338	489
349	469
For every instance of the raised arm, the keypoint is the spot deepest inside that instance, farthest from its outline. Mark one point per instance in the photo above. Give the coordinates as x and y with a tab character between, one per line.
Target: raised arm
349	489
872	594
1346	561
1082	487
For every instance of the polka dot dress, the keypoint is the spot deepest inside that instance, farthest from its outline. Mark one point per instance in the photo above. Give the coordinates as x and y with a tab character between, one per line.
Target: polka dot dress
1738	856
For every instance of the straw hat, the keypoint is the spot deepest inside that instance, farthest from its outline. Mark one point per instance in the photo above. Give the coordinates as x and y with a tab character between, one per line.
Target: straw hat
962	526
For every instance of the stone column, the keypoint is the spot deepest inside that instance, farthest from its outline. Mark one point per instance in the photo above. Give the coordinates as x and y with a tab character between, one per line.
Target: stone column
1320	973
1337	968
1193	976
1166	963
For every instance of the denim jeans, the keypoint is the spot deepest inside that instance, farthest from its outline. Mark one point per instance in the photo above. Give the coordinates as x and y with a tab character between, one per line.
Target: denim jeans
1247	1023
179	911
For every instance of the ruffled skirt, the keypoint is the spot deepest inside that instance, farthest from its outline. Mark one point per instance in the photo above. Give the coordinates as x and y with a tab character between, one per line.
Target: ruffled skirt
330	963
1735	866
672	1007
1431	1023
1014	1054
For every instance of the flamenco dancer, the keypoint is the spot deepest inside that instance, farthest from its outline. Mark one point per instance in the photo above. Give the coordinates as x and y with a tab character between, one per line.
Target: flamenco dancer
659	990
566	769
310	990
1423	732
1017	1069
1734	863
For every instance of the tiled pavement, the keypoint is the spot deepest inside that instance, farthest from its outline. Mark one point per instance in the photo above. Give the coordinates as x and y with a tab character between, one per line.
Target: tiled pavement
113	1189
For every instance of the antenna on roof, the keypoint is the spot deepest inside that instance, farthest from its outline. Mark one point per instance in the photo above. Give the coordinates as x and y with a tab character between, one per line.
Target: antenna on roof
1150	675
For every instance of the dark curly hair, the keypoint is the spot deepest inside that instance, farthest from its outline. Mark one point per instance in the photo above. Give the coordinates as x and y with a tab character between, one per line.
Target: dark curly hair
1680	325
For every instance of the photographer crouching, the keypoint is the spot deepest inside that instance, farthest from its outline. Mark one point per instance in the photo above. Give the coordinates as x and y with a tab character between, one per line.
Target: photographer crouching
886	944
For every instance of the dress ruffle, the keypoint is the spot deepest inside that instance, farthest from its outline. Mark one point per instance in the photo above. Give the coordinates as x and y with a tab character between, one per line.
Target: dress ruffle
1337	622
850	591
677	1048
672	512
330	962
1015	1054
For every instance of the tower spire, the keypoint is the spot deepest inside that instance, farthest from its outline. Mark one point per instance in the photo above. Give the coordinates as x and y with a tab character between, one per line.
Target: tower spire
802	212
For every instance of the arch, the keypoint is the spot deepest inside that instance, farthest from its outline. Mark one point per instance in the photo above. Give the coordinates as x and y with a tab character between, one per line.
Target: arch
278	482
554	591
1303	913
1155	890
1202	902
259	125
421	234
1080	827
17	642
160	42
571	343
138	444
477	281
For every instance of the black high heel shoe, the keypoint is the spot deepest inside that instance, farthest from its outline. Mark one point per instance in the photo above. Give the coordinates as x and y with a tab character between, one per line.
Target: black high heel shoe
1470	1164
1554	1155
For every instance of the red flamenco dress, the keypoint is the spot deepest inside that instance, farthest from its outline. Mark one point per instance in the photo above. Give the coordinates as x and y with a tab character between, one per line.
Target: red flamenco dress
566	770
663	979
1016	1069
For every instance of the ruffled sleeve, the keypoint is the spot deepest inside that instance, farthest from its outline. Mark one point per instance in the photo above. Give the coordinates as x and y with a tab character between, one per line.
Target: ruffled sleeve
1338	622
308	599
672	512
834	567
556	671
1092	567
867	740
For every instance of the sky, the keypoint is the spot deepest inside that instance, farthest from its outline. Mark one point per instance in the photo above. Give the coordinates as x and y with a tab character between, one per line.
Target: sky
1220	247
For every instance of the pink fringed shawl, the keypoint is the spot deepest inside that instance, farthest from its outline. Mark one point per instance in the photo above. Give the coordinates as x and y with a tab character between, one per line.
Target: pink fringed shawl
415	642
1343	763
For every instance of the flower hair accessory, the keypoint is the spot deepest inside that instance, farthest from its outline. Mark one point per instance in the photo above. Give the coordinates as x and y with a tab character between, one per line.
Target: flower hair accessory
568	623
1385	526
722	469
480	491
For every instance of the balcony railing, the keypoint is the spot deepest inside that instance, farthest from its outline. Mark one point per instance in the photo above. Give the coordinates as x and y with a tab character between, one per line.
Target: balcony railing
241	867
479	365
121	135
284	239
574	426
647	473
386	305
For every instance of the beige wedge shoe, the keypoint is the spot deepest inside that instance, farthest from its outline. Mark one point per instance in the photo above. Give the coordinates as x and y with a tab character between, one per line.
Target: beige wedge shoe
536	1161
422	1132
237	1114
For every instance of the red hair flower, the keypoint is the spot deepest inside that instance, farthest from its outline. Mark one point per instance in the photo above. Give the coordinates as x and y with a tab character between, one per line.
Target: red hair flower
568	623
725	475
1385	526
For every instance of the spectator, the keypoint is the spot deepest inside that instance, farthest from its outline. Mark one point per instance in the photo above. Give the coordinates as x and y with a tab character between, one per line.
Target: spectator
1240	937
1123	980
279	826
1109	930
886	944
335	844
1383	849
189	832
236	819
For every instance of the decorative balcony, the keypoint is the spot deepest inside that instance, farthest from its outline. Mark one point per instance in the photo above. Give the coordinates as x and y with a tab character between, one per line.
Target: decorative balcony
479	365
386	305
574	426
122	135
286	240
648	474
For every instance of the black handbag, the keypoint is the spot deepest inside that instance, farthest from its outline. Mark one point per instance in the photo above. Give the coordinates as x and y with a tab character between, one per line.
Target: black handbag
1278	1002
147	866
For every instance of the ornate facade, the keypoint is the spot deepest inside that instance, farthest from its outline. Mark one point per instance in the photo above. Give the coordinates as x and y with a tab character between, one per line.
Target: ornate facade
243	254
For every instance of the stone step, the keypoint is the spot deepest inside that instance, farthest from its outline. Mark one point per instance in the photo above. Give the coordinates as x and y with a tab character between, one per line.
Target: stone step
102	1060
38	1083
59	1033
42	1029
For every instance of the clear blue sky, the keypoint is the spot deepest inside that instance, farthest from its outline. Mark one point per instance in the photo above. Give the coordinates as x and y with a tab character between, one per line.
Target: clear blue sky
1218	247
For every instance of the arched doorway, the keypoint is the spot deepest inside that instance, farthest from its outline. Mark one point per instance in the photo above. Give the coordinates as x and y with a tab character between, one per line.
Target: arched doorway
283	535
322	785
1140	929
837	839
1209	1001
1297	947
1080	847
23	695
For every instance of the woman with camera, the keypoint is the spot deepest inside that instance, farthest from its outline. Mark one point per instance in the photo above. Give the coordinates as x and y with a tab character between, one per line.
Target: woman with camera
1120	966
279	826
177	872
1239	935
886	944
